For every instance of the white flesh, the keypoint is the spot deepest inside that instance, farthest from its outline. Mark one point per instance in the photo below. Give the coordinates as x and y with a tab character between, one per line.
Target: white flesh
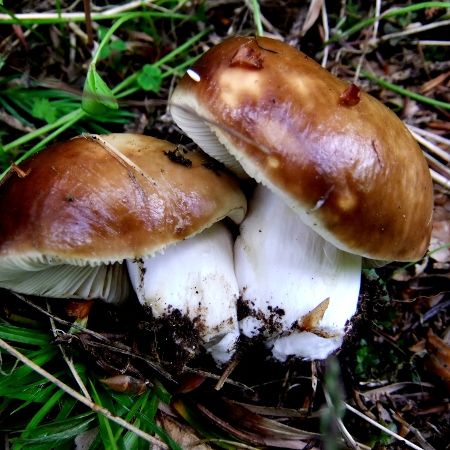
285	270
196	277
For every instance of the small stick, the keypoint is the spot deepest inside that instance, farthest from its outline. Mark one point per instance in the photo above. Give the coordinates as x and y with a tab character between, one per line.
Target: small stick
414	30
381	427
77	16
68	360
88	22
326	33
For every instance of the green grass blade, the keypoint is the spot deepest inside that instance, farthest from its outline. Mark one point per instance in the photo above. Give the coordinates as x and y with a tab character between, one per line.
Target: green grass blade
257	17
391	13
106	430
42	413
406	92
23	335
52	434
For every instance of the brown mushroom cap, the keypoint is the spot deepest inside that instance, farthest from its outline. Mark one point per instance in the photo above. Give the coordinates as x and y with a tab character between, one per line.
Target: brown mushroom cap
95	200
340	158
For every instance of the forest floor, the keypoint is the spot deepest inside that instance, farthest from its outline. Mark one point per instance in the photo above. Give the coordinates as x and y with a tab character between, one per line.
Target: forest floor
389	385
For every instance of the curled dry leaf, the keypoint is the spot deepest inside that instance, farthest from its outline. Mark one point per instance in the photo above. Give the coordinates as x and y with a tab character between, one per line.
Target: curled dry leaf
189	383
439	357
125	383
184	435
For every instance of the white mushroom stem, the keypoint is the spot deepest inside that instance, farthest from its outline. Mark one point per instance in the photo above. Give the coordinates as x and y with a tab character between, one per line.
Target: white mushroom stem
300	290
196	277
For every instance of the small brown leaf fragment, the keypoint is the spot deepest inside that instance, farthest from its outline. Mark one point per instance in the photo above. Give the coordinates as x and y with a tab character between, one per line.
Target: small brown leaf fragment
438	357
351	96
190	382
183	434
19	172
434	83
125	383
18	31
310	321
79	309
248	58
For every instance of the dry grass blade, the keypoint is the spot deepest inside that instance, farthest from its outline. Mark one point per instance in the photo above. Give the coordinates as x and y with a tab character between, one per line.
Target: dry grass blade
77	16
348	438
68	360
440	172
381	427
376	394
81	398
415	29
313	14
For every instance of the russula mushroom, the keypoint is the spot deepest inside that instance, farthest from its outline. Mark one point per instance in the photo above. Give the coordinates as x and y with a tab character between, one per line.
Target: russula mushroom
341	179
84	206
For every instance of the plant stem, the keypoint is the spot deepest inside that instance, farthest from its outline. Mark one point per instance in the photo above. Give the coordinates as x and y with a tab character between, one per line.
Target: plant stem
257	17
59	17
78	113
407	92
390	13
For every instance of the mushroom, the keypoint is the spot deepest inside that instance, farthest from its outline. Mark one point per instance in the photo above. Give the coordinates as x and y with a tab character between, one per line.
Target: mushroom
84	206
340	179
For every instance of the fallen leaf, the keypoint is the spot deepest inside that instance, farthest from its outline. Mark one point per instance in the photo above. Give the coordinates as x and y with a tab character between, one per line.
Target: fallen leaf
183	435
438	357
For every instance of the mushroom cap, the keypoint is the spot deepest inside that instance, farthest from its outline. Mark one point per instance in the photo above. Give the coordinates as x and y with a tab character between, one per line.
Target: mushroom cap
341	159
100	199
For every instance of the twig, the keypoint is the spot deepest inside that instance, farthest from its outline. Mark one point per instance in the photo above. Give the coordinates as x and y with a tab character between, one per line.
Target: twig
68	360
433	43
103	341
76	16
440	179
381	427
77	396
440	173
226	373
413	30
368	42
348	438
429	145
88	23
376	24
430	135
326	34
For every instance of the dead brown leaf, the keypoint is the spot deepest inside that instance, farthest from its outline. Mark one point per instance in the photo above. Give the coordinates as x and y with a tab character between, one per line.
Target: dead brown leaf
439	357
435	82
184	435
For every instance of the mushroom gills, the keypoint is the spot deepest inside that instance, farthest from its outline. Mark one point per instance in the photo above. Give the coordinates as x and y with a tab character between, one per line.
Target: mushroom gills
196	279
203	132
36	276
299	290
